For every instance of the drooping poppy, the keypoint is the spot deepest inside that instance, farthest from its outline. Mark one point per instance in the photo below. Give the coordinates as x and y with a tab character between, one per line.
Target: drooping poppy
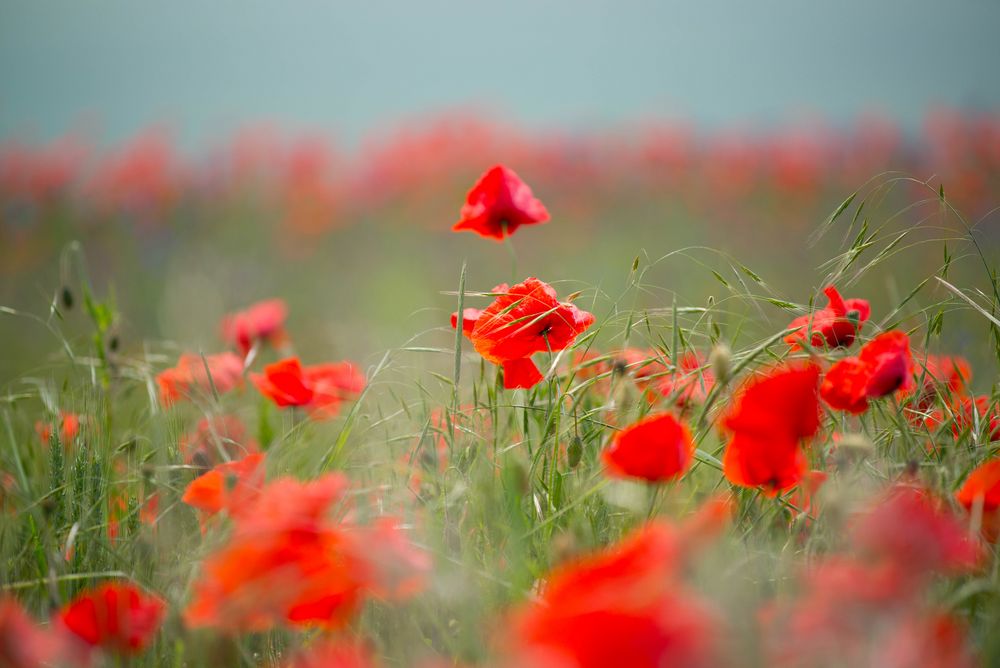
834	326
114	616
883	366
320	389
263	321
227	485
772	415
498	204
223	371
526	319
656	449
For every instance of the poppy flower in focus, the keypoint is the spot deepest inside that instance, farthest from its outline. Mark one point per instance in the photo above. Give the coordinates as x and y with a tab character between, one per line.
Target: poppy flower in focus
527	319
498	204
224	372
883	366
982	489
834	326
656	449
773	414
469	318
263	321
320	389
114	616
232	484
69	427
622	606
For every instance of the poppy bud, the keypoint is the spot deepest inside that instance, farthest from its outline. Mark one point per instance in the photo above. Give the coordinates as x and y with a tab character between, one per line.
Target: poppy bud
574	452
854	316
67	298
721	359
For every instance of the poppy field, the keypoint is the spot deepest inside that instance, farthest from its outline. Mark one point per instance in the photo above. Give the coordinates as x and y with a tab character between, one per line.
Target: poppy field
471	396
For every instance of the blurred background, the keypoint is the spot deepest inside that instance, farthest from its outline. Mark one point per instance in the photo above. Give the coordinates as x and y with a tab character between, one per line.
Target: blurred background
208	156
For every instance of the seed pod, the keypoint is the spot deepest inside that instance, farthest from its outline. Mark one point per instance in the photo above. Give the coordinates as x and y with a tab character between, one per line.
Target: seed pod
574	452
721	359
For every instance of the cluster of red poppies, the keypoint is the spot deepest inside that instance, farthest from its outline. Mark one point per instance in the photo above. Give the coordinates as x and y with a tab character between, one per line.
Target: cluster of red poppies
297	554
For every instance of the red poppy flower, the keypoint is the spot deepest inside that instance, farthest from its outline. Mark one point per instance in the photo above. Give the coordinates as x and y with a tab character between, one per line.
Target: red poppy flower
657	448
469	318
320	389
620	607
911	529
527	319
69	427
287	561
982	486
263	321
688	383
834	326
227	485
883	366
114	616
963	413
498	204
190	375
772	415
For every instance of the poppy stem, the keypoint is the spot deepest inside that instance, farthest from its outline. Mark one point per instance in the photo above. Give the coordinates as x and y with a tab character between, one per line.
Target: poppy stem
510	251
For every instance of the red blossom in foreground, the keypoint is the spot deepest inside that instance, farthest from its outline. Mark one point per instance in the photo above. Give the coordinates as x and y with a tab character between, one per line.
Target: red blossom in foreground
320	388
333	654
23	643
498	204
68	428
623	606
190	376
883	366
656	449
834	326
263	321
526	319
772	415
288	562
229	485
114	616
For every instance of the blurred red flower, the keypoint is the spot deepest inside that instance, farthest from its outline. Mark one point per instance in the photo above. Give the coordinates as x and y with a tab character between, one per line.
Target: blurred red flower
263	321
23	643
288	562
834	326
228	485
528	318
115	616
656	449
498	204
981	490
224	372
622	606
69	427
883	366
772	415
320	389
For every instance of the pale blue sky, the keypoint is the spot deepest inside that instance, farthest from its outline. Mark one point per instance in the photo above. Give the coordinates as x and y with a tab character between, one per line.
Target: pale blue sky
348	67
